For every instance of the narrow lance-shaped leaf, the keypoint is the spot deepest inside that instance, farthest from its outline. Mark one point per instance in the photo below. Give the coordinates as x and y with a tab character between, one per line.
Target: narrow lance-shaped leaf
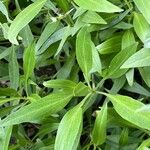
29	61
129	112
69	130
124	137
13	69
48	30
4	11
144	8
5	135
60	83
23	18
127	39
112	45
38	109
99	131
141	27
93	17
145	72
84	51
96	66
65	36
139	59
114	70
98	5
144	145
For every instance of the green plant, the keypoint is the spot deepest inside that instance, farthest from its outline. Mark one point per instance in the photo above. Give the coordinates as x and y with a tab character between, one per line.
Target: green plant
74	74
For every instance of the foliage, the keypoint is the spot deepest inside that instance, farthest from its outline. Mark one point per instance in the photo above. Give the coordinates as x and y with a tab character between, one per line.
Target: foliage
74	74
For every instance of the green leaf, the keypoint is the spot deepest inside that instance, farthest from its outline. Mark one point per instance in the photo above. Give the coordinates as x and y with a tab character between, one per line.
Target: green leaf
128	39
27	36
112	45
144	144
144	8
23	18
60	83
145	72
129	112
84	51
81	89
124	137
96	66
4	11
39	109
64	38
130	76
93	17
139	59
29	61
48	30
141	27
5	135
99	130
69	131
56	36
114	70
98	5
13	69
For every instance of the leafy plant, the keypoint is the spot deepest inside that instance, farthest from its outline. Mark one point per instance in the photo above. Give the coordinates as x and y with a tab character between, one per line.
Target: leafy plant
74	75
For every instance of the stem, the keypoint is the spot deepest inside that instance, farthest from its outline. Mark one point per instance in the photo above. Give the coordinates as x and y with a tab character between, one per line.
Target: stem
100	84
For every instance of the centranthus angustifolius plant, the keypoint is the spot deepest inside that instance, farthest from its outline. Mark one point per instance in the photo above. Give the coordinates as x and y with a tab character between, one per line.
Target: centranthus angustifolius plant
74	74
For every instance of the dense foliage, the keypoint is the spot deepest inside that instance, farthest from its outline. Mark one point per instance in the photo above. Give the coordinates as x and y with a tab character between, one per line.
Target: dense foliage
74	74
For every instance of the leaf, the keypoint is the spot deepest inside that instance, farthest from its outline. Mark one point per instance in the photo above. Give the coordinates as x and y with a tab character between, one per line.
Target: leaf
130	76
144	8
128	39
139	59
93	17
48	30
4	11
5	135
84	51
65	36
145	72
79	89
99	130
112	45
137	88
141	27
114	70
98	5
39	109
23	18
129	112
60	83
27	36
69	130
124	137
29	60
57	36
144	144
13	69
96	66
